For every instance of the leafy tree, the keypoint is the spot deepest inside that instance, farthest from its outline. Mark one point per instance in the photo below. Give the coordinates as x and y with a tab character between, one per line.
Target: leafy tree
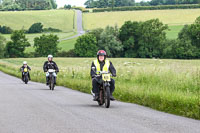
86	46
2	46
97	33
184	48
109	41
28	4
143	39
53	4
15	47
36	28
46	44
195	33
129	37
189	41
169	51
151	38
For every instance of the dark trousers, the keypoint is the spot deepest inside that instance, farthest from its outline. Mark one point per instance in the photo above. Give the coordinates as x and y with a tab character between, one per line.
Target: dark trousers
97	82
23	76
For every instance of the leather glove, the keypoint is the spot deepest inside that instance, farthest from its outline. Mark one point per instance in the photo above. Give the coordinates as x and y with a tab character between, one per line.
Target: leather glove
114	75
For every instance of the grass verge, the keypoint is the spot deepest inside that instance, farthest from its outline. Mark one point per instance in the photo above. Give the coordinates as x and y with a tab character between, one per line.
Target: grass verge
166	85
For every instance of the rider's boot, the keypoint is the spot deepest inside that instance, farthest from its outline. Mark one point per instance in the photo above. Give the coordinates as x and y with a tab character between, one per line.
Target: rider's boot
96	97
111	97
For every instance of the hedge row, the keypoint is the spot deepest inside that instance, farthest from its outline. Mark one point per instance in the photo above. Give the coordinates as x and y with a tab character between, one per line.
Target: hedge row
160	7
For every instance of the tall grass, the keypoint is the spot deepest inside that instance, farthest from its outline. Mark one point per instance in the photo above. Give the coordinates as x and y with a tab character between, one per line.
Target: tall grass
168	85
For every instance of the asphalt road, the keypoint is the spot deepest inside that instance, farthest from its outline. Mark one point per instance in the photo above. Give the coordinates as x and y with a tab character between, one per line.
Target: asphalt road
33	108
79	22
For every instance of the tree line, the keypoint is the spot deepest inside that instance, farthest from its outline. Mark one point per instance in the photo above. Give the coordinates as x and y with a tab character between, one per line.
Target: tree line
34	28
141	40
173	2
12	5
122	3
44	45
132	40
136	8
108	3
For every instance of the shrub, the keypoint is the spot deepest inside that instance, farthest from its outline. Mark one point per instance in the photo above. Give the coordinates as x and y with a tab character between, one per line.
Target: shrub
51	30
5	30
70	53
36	28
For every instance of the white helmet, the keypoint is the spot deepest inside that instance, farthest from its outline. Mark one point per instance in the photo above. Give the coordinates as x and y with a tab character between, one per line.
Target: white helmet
50	56
25	63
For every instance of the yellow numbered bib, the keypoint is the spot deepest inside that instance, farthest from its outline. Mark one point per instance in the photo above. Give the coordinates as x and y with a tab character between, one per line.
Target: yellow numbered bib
25	70
106	77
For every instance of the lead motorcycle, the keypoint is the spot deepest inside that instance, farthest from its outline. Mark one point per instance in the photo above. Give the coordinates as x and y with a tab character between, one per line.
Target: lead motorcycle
104	89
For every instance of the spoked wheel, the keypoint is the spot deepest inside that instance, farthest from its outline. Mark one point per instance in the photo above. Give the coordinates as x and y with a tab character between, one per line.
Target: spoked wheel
101	100
26	79
51	84
50	80
107	97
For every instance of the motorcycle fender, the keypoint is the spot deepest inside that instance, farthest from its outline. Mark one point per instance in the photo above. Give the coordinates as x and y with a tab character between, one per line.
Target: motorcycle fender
107	84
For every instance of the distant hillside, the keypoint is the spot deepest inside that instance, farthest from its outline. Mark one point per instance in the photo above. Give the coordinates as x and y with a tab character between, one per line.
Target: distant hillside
174	18
59	19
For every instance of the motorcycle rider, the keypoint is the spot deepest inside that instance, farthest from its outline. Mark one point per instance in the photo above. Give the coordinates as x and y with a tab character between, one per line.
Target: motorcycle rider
50	64
25	65
102	64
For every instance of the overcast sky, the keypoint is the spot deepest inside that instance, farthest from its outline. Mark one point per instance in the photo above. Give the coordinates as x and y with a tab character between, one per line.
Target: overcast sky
61	3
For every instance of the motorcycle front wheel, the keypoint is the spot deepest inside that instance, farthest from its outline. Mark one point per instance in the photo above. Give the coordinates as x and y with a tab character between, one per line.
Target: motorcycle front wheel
107	97
26	79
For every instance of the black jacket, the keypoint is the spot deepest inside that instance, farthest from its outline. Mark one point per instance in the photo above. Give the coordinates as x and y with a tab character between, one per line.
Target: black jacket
22	68
111	68
50	65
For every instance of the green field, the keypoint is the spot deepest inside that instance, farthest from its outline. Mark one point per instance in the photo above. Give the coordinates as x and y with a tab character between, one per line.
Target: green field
174	18
60	19
167	85
173	31
68	44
